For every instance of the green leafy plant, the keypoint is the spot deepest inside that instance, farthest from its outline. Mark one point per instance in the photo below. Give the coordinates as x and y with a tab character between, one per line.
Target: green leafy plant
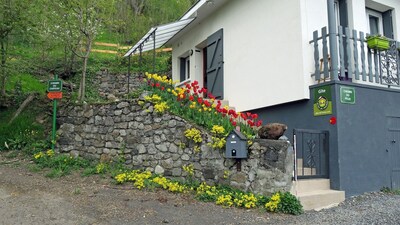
59	164
289	204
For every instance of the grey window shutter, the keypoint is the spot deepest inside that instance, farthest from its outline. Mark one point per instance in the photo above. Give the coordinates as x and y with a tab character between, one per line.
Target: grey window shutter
215	64
388	24
344	21
182	71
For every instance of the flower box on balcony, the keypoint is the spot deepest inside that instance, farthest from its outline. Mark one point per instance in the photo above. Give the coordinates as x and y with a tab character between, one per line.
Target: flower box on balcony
378	42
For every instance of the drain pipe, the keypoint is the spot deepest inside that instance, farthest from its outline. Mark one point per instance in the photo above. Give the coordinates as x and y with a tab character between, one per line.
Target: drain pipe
333	46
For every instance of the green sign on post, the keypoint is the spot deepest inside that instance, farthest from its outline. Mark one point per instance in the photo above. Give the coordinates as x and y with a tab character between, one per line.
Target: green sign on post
347	95
54	85
322	101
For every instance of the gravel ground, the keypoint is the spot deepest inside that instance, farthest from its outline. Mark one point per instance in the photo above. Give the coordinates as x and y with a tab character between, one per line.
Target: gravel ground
30	198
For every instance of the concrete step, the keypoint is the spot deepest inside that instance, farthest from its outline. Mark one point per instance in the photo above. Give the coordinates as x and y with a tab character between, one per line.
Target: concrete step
307	185
321	199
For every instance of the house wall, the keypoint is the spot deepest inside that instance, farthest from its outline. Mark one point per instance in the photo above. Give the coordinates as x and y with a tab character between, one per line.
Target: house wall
263	52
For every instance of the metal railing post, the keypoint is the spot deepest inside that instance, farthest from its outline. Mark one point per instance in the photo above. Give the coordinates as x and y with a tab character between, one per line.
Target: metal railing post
129	70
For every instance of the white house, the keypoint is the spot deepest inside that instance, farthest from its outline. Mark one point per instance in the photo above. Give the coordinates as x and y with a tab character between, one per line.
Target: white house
263	56
274	57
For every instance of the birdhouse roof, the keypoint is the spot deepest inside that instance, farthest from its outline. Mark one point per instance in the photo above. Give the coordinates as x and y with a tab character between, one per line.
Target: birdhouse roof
239	134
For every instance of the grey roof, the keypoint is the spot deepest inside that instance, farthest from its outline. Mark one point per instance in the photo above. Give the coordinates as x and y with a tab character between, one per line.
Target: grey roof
162	34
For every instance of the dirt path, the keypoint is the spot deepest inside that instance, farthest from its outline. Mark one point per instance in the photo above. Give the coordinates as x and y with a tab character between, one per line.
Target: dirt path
31	198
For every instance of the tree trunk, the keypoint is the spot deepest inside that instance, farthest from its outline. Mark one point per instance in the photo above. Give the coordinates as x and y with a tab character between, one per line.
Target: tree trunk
22	107
82	86
3	67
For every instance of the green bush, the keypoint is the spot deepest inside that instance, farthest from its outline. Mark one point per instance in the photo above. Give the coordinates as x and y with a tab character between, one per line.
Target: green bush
289	204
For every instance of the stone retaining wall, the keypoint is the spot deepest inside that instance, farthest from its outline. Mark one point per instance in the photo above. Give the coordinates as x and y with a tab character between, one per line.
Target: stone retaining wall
150	141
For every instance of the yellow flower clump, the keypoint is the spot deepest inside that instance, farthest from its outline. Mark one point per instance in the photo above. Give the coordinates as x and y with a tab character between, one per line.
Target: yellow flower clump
161	107
39	155
100	168
194	134
169	185
272	205
153	98
225	200
162	79
246	200
50	153
134	176
189	169
218	130
217	143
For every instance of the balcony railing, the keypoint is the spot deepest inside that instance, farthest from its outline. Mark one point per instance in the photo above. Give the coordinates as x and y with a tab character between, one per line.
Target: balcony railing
356	62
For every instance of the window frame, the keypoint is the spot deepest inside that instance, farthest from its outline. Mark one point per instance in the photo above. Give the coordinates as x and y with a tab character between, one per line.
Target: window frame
184	65
376	14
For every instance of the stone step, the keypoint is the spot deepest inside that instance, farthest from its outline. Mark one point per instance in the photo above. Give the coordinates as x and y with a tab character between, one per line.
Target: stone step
307	185
321	199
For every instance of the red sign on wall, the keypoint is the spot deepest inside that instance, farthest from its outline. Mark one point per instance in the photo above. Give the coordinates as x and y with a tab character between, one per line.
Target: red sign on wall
54	95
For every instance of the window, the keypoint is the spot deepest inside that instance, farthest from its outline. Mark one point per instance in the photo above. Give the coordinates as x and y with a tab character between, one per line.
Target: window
380	22
341	13
184	68
374	21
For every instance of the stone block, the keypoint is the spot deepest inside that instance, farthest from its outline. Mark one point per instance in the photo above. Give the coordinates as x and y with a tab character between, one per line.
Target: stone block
208	173
122	105
141	149
162	147
159	170
176	172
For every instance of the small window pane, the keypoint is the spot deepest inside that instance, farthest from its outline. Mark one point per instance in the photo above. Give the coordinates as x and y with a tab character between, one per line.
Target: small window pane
373	25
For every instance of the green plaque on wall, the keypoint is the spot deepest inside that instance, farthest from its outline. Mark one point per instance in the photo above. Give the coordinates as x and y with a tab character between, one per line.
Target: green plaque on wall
347	95
322	101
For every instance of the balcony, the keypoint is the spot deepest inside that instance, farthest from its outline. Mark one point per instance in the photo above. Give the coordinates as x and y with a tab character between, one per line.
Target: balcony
351	60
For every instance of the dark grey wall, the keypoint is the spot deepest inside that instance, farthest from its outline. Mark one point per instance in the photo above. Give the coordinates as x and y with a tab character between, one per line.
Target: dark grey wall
361	155
363	138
